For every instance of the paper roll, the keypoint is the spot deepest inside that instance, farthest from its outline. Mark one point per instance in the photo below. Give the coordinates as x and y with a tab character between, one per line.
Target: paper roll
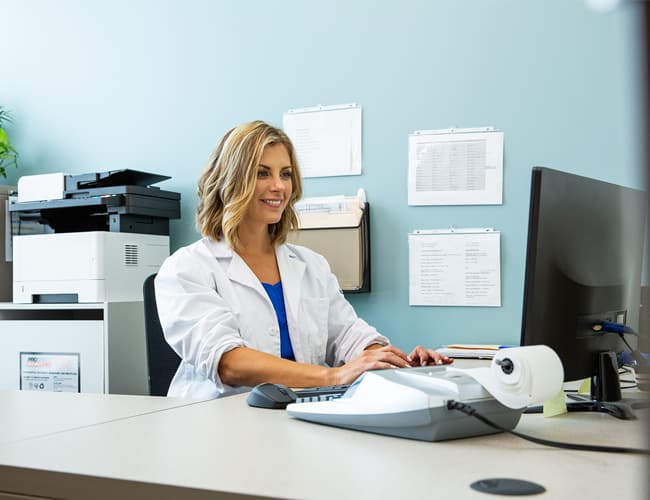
522	376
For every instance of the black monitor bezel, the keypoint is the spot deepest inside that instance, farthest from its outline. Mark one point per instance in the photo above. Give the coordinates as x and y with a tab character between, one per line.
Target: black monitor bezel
586	364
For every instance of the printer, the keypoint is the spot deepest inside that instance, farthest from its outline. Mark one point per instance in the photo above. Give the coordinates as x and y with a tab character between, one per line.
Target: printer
89	238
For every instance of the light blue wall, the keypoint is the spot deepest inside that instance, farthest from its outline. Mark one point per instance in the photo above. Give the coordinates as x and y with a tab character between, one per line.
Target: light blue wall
152	85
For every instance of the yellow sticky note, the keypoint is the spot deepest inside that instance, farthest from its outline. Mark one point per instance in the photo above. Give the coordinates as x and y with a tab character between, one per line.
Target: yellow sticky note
555	406
585	387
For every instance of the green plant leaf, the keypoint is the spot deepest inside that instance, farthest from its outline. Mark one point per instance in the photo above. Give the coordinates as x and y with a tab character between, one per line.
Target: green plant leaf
8	154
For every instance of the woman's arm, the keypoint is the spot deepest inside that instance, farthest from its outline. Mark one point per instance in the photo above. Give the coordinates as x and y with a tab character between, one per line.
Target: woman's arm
197	322
244	366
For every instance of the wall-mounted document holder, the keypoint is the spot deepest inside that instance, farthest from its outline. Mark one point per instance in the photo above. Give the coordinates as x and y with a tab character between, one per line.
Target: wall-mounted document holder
338	228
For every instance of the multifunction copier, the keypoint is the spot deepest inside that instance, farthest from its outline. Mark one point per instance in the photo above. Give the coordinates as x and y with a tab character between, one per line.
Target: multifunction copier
90	237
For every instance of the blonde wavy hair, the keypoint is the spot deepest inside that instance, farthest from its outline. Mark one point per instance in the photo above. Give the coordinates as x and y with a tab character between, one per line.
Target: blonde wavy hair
227	183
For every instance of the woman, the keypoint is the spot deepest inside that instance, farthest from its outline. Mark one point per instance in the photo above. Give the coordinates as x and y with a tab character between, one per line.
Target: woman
241	306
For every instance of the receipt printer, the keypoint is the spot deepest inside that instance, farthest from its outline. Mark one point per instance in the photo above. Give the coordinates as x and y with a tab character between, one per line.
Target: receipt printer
89	266
411	403
415	402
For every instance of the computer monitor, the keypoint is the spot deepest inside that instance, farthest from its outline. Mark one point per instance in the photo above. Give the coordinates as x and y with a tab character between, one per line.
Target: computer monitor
583	268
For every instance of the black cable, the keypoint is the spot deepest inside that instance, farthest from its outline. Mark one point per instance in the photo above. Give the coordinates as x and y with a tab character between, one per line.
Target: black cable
469	410
620	329
626	342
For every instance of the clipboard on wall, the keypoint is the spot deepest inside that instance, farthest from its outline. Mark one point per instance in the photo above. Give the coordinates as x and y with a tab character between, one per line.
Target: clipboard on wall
343	238
455	267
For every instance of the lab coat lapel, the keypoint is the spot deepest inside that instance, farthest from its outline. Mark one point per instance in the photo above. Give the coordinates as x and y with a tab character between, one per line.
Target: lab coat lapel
292	271
237	270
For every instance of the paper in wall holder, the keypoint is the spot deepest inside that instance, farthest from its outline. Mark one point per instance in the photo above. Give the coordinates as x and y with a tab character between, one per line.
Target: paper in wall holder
521	376
338	228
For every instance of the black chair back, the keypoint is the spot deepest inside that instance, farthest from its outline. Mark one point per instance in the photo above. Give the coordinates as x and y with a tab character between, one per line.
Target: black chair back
162	360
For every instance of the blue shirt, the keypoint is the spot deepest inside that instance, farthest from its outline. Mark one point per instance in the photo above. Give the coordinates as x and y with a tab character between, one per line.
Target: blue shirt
277	299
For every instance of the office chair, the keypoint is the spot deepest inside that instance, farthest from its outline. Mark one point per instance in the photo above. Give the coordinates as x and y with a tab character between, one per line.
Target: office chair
162	360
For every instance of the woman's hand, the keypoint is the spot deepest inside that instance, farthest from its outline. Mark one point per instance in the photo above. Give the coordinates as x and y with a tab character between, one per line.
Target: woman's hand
421	356
378	357
375	357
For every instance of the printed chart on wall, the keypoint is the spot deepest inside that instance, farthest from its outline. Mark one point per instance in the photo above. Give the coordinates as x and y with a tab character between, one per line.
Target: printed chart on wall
455	267
455	167
327	139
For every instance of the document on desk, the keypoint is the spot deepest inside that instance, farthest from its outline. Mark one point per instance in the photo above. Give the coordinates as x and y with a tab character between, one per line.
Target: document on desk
455	167
455	267
327	139
477	351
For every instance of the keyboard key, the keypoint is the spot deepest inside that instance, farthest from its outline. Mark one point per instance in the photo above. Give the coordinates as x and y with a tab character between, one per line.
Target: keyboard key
324	393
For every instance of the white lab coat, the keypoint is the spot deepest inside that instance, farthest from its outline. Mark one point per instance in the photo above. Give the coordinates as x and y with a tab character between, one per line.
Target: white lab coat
209	302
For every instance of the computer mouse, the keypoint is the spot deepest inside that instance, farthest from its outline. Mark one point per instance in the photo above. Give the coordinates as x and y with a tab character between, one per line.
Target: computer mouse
273	396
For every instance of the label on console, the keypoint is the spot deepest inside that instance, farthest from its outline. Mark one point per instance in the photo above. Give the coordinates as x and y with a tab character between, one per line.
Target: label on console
50	371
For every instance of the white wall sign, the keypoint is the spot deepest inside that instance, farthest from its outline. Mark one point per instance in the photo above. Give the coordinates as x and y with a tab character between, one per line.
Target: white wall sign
455	167
327	139
455	267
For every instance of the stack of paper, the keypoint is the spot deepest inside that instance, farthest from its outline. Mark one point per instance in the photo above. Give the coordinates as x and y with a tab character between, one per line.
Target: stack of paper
331	211
481	351
41	187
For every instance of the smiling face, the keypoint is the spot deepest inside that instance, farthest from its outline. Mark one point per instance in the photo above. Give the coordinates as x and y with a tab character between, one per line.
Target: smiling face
273	187
249	186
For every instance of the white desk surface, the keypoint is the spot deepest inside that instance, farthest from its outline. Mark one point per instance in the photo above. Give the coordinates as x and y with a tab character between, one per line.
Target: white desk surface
31	414
230	449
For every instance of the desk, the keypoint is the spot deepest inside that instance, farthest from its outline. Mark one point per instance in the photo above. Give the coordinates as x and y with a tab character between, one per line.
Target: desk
29	414
224	449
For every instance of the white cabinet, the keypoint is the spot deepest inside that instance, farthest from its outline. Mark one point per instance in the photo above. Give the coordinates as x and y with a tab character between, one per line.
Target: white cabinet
98	348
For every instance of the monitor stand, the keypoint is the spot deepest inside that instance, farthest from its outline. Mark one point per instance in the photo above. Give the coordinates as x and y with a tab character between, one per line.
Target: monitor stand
619	409
605	394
